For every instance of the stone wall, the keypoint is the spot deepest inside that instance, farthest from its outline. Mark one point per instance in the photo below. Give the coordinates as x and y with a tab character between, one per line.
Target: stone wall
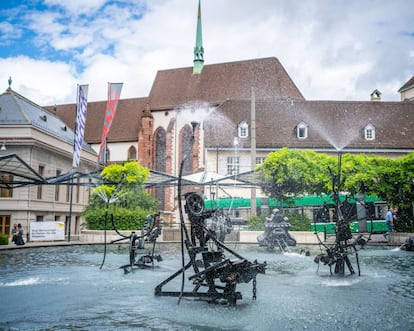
301	237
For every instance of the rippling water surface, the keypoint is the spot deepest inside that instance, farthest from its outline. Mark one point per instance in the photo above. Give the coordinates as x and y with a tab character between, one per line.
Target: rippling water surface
63	288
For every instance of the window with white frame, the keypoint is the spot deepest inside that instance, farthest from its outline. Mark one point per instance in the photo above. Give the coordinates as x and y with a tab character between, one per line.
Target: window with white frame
260	159
369	132
233	165
243	129
302	130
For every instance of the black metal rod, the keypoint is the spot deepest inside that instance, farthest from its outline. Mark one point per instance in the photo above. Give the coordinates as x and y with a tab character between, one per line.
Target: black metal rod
183	229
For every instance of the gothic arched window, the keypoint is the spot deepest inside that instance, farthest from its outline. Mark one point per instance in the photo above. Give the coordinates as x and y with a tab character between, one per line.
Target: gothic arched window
160	149
186	149
160	144
132	153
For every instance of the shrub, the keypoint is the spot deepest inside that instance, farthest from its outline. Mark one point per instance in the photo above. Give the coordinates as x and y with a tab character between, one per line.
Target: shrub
256	223
124	219
298	221
404	224
4	239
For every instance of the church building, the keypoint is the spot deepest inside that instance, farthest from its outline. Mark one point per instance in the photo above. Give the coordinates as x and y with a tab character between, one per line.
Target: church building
156	130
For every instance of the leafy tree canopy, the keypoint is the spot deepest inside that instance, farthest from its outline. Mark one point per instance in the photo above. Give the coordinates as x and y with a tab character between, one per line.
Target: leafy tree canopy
291	172
123	195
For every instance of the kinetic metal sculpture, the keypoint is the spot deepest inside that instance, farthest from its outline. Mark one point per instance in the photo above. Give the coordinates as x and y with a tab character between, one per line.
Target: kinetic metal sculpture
276	232
408	244
213	271
339	254
150	232
215	276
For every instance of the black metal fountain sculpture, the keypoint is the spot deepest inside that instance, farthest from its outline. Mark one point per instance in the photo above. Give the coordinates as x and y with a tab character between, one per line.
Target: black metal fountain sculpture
149	233
276	232
408	244
215	276
339	255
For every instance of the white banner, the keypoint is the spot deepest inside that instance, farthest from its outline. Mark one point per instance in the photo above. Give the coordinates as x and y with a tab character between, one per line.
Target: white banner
46	231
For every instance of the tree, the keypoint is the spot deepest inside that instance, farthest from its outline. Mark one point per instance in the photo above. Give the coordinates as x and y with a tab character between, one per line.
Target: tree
123	196
395	184
287	173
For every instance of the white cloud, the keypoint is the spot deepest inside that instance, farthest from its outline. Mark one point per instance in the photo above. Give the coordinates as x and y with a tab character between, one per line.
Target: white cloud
336	50
43	82
8	32
77	6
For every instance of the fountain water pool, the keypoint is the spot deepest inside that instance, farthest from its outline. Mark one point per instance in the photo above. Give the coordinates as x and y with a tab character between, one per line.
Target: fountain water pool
62	288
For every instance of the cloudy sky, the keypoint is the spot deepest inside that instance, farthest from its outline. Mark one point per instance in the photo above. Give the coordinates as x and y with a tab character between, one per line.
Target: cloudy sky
332	49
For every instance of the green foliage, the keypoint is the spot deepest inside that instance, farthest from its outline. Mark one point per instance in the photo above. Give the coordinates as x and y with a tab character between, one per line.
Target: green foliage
124	178
285	173
130	172
298	221
4	239
256	223
124	197
404	224
124	219
288	173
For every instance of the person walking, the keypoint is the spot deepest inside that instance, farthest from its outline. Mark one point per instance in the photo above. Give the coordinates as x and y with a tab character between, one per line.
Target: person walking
389	220
19	238
14	233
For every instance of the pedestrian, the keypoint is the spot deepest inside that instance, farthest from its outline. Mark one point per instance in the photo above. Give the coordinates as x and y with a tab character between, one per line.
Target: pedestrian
19	238
389	220
323	213
14	233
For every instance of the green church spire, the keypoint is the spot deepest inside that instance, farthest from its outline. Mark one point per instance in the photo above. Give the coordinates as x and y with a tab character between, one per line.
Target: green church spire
198	49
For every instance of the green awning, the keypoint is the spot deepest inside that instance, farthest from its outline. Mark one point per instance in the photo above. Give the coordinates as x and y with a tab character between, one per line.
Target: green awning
308	200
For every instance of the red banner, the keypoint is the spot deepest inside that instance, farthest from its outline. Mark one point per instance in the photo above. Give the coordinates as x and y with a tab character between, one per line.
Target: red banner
114	93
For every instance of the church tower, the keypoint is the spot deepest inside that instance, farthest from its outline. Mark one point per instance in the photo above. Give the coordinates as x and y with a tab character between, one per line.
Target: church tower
198	49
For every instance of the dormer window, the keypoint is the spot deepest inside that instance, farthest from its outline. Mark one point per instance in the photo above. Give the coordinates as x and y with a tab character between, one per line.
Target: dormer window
302	130
376	95
369	132
243	129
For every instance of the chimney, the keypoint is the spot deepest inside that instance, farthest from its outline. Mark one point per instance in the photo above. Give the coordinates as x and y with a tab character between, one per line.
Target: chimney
376	95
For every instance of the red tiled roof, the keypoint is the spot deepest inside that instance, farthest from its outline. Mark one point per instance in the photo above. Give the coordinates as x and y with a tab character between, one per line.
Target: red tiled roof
125	125
219	82
330	123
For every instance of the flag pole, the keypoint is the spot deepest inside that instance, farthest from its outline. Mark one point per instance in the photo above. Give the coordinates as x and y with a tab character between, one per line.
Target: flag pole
72	169
80	120
70	202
